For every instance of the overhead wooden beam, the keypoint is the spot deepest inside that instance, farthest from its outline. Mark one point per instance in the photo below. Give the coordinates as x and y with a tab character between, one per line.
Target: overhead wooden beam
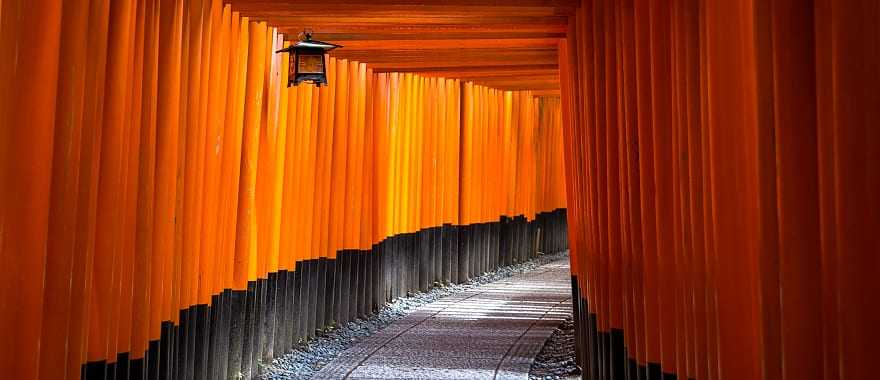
426	30
445	56
417	67
521	79
489	43
489	70
295	8
544	82
425	3
317	21
504	73
502	44
521	86
368	35
547	93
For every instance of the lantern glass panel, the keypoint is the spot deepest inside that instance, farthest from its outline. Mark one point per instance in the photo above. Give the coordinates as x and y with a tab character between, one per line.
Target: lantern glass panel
311	64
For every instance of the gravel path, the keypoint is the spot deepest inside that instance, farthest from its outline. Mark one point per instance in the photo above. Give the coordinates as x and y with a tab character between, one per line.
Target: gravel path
497	323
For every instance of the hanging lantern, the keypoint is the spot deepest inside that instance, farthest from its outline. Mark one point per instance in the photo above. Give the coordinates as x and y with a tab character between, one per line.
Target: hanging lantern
307	62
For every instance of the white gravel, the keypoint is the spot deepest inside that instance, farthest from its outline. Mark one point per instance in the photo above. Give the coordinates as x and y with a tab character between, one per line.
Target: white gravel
556	359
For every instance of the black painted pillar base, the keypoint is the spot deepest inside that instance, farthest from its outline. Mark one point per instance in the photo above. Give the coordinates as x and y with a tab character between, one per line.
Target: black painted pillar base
423	252
446	255
412	249
215	310
138	368
290	314
330	289
300	304
110	373
632	368
617	353
238	307
400	266
378	278
259	318
225	335
482	249
166	350
122	367
576	313
401	251
249	329
437	255
347	293
180	332
268	325
282	315
477	247
463	250
321	296
201	343
654	371
355	285
313	290
152	360
95	370
594	345
340	290
365	283
454	253
496	245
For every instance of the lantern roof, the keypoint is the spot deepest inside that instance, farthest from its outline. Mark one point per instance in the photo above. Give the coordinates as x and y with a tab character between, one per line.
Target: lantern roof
315	44
307	42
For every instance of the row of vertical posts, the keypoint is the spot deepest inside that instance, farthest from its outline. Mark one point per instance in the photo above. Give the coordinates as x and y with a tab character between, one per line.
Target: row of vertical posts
723	185
171	210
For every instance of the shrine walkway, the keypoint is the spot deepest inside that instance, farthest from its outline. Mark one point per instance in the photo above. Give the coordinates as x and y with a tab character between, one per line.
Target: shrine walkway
490	332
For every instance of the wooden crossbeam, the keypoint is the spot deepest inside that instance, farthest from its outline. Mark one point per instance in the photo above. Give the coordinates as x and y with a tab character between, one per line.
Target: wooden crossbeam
503	44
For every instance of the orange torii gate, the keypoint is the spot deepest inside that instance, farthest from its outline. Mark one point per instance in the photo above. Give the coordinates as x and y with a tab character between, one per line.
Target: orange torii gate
169	209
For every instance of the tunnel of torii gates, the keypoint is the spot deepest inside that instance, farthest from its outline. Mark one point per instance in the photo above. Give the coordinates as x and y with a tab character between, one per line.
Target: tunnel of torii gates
169	209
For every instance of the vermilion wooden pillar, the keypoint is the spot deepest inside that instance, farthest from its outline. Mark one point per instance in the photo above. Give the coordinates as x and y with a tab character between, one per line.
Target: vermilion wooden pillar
796	135
61	255
104	301
146	160
647	187
846	51
732	141
30	33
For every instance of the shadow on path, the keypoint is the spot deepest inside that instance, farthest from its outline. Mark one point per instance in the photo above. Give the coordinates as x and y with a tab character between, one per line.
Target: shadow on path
493	331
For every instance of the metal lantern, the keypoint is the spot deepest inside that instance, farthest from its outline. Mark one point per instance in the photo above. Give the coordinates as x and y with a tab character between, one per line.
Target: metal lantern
307	62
